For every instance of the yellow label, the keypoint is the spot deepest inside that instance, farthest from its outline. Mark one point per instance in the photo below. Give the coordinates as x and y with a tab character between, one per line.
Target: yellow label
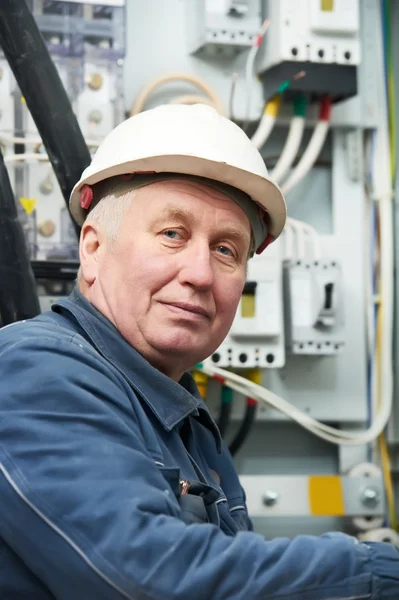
28	204
326	497
23	101
248	306
327	5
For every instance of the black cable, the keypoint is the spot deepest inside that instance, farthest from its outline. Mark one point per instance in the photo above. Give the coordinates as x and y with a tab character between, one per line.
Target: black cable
18	294
224	417
44	93
245	427
226	402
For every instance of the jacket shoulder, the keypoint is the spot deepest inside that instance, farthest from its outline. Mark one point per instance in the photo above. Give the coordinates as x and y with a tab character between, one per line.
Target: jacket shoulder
45	329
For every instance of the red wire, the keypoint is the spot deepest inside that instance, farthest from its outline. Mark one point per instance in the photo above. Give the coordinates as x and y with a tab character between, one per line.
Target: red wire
325	109
251	402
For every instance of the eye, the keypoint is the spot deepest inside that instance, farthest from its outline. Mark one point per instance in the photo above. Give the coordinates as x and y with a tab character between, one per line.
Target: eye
225	251
171	234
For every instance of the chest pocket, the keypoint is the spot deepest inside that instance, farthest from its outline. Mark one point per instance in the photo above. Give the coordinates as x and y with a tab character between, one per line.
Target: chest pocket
196	499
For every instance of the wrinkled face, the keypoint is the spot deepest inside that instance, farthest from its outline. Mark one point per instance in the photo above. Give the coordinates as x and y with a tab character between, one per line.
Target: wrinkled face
172	280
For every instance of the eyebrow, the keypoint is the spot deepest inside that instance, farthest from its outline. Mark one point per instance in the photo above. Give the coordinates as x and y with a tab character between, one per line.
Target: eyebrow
175	213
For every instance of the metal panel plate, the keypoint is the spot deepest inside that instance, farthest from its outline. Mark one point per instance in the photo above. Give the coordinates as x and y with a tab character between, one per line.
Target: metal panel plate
272	496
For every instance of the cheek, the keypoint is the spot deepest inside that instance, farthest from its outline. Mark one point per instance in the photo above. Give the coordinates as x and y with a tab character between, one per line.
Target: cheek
142	271
227	296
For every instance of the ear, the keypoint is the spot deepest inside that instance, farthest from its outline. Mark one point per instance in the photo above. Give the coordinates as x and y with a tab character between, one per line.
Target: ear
91	250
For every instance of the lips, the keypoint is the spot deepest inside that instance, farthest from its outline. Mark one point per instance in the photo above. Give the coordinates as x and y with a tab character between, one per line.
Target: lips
192	308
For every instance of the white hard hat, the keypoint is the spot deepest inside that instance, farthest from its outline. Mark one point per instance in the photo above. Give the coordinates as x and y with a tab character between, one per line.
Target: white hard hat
192	140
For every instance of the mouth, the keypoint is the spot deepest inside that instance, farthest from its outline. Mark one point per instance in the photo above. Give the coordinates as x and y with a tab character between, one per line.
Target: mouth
184	308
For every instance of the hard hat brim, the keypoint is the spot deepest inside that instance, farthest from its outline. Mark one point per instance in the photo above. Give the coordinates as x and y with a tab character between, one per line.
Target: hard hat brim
262	190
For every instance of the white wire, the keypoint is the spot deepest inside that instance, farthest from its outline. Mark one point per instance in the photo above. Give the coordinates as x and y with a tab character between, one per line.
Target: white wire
34	141
290	149
11	139
309	156
383	194
330	434
249	66
304	228
300	238
300	229
249	74
264	130
27	156
289	241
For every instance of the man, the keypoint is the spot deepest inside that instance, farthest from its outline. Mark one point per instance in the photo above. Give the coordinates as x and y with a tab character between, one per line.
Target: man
114	481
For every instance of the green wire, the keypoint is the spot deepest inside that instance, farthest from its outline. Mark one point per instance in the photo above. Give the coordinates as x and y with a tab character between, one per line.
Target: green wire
283	86
227	395
300	103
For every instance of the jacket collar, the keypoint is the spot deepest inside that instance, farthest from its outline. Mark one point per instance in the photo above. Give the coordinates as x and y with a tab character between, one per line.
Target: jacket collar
170	402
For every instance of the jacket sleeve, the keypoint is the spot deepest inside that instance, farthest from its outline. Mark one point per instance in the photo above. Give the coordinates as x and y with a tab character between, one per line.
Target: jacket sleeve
88	511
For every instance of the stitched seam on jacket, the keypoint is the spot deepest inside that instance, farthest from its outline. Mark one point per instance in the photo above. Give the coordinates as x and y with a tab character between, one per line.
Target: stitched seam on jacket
63	535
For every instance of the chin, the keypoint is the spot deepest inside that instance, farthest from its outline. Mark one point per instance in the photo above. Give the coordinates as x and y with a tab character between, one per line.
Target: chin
189	350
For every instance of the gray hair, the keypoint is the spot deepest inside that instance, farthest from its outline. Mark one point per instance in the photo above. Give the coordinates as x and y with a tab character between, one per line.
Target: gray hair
108	214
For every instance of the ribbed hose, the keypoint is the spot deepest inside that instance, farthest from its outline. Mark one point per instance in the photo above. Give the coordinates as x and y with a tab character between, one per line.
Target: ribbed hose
18	295
45	96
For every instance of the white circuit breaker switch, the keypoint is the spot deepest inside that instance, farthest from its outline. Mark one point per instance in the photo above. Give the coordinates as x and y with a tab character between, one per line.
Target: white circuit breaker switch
334	17
256	337
238	8
228	24
258	314
313	307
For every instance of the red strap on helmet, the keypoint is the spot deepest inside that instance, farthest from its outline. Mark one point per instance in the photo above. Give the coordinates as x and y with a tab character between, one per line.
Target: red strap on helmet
86	196
265	244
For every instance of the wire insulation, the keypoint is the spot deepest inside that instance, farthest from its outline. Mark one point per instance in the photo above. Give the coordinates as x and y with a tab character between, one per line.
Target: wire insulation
313	149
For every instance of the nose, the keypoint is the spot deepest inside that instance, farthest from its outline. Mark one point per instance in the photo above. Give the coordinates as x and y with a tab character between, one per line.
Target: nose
196	267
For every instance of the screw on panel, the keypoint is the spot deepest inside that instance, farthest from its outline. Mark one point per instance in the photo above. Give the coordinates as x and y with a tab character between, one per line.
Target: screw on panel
95	81
370	497
270	498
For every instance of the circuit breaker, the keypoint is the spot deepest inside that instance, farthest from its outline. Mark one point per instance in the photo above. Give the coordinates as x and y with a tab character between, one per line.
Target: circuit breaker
221	23
313	307
320	37
256	338
86	40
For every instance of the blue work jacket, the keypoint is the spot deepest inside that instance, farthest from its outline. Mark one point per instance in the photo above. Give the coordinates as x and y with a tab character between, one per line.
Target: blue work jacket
97	453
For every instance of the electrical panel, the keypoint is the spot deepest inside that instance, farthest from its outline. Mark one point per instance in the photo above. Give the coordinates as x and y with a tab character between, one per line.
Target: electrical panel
313	307
214	24
256	338
320	37
86	41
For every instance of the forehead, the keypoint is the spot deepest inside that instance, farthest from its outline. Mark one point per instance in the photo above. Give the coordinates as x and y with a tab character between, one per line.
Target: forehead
202	200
